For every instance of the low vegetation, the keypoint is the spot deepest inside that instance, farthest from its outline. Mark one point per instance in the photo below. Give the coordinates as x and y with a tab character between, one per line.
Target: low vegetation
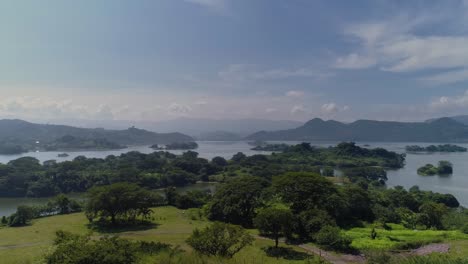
444	168
436	148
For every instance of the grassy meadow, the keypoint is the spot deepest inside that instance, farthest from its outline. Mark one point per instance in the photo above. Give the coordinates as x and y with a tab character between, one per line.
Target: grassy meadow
28	244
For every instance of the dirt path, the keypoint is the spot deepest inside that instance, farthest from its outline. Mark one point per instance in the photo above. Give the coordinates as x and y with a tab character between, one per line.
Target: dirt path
431	248
332	257
349	258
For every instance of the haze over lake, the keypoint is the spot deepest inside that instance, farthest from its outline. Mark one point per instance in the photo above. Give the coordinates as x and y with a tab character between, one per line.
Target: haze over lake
456	184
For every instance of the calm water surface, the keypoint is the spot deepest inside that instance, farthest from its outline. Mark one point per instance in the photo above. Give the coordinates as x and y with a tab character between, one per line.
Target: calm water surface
456	184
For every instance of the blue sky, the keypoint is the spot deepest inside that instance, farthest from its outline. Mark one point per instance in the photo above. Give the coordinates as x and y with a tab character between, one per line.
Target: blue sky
277	59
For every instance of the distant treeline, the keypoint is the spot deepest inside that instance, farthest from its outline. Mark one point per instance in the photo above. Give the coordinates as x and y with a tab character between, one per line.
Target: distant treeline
434	148
26	176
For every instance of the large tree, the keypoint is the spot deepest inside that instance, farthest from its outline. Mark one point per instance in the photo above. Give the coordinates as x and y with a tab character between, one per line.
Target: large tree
304	190
120	201
274	222
235	202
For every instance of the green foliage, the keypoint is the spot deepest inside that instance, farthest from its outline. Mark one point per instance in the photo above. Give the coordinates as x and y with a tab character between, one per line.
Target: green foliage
303	190
24	214
193	199
120	202
444	167
370	174
331	238
274	222
235	202
72	249
309	222
219	239
328	171
434	148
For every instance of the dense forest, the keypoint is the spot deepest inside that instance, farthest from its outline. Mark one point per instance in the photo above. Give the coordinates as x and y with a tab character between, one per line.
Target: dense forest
27	177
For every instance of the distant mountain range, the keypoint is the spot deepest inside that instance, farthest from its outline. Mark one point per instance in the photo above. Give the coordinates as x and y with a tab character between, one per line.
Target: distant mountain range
460	118
19	131
438	130
199	128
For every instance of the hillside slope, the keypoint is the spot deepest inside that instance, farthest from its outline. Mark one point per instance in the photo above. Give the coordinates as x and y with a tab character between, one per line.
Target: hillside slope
439	130
14	130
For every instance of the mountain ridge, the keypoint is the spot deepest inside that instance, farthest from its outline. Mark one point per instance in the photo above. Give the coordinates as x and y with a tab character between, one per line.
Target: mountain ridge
439	130
18	130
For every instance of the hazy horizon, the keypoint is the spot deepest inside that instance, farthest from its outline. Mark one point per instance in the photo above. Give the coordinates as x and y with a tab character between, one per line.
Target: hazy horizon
150	61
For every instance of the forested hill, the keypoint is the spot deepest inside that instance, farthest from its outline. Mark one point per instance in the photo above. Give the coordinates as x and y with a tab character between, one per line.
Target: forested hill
14	130
439	130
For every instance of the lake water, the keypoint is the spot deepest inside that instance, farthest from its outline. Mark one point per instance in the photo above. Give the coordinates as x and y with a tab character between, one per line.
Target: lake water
456	184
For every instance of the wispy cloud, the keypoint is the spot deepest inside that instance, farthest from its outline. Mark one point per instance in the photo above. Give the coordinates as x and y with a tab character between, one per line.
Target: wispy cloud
401	44
219	5
294	93
246	72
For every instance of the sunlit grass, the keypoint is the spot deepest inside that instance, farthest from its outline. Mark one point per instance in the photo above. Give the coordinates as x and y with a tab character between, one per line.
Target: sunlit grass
398	236
173	226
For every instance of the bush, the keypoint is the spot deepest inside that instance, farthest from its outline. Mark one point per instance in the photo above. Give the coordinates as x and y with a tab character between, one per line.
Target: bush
330	237
464	228
72	249
220	239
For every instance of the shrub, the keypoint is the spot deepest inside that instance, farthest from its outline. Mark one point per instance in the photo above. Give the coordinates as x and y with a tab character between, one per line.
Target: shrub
220	239
330	237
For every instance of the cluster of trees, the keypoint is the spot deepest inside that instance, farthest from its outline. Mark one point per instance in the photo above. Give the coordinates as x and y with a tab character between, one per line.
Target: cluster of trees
120	202
308	207
443	168
434	148
28	177
270	147
60	204
71	249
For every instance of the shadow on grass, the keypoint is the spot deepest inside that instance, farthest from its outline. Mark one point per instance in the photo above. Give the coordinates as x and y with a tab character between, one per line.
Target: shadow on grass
107	227
285	253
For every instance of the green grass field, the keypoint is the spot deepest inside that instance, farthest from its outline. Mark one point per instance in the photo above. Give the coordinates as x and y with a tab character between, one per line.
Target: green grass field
28	244
398	236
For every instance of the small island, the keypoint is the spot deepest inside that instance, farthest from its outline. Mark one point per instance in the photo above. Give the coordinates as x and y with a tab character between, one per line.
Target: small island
176	146
434	148
271	147
444	168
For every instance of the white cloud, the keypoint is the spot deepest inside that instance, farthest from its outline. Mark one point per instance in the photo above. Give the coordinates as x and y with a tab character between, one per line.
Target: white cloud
104	112
450	102
399	45
298	110
354	61
294	93
179	109
333	108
